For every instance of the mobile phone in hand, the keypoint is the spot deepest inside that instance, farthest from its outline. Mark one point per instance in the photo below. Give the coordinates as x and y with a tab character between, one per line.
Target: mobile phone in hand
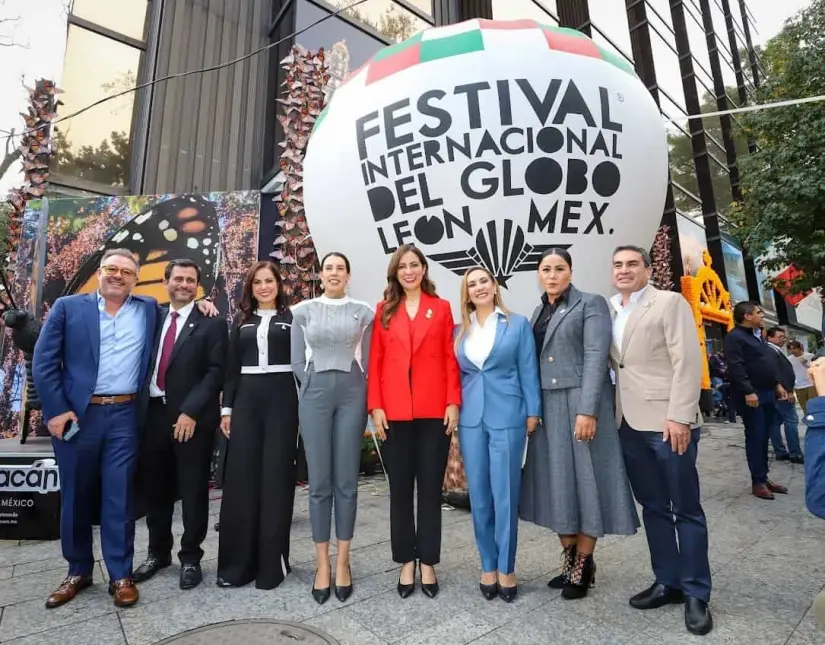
70	430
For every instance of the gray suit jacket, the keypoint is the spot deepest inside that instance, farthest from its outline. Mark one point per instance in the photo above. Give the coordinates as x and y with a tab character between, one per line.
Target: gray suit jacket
576	348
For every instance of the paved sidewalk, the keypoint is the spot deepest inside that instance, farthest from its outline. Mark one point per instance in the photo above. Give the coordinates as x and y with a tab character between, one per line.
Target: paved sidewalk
767	558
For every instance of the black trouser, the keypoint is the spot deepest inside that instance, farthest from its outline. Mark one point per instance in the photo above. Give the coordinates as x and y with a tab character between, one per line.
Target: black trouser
416	453
171	469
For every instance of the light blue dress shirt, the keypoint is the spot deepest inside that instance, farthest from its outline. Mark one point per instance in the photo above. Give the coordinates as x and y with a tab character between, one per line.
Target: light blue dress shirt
122	340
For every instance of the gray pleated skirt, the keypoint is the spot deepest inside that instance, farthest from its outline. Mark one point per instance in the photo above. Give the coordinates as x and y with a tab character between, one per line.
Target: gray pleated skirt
571	487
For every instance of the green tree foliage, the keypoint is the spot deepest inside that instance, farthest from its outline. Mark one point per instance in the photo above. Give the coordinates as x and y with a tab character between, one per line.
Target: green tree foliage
783	214
108	163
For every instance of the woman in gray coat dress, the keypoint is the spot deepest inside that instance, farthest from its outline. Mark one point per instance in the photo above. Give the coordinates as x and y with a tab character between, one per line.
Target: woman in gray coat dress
574	480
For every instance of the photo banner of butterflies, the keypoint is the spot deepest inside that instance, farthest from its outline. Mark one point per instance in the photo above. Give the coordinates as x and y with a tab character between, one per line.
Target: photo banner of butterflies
219	231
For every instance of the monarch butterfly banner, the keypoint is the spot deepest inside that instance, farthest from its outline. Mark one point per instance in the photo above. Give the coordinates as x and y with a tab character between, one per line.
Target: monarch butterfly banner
64	239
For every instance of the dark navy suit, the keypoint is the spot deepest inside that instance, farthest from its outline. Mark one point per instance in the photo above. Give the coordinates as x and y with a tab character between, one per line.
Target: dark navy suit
815	457
104	451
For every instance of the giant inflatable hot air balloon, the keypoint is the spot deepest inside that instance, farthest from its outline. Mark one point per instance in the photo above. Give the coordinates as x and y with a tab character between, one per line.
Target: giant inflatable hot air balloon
485	143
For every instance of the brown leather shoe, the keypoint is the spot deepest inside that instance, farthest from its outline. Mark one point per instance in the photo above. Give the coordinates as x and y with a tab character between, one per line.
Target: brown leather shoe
67	590
776	488
124	591
762	491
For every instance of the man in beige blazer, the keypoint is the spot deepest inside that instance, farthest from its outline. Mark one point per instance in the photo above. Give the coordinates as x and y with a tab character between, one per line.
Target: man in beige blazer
658	364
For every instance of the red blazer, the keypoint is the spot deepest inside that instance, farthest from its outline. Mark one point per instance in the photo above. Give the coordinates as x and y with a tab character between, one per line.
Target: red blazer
413	373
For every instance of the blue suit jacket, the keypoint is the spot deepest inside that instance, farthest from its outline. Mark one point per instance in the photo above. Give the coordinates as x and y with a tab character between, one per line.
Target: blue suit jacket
67	354
815	457
506	390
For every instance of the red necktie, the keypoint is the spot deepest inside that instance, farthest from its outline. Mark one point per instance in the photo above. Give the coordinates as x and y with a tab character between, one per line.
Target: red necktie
166	350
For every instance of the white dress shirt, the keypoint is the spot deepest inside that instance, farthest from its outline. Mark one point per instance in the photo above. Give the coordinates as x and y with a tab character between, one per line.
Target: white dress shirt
623	314
800	369
481	338
183	314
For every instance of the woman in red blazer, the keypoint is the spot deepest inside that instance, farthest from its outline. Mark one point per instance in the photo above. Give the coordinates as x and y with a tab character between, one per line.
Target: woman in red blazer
413	395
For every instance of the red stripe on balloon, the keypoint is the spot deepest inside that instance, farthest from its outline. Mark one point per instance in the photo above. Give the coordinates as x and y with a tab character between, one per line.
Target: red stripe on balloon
525	23
393	64
580	45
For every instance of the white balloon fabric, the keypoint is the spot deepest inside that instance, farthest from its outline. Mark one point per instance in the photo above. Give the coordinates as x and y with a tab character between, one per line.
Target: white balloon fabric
486	143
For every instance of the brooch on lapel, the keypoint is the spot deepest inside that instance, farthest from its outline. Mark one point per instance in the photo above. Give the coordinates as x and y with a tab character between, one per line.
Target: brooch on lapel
429	314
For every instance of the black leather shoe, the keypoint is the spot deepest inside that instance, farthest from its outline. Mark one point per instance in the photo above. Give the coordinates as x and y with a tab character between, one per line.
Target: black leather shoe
698	618
223	583
150	567
190	576
488	591
658	595
798	459
320	595
508	594
406	590
342	592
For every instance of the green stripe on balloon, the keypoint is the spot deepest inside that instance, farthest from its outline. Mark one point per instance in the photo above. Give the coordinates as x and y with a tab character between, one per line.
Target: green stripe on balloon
465	43
398	47
616	60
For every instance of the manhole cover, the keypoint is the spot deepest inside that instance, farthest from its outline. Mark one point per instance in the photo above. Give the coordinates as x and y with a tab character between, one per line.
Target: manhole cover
252	632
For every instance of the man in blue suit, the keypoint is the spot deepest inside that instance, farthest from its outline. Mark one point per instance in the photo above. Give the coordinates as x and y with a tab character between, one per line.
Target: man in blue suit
89	364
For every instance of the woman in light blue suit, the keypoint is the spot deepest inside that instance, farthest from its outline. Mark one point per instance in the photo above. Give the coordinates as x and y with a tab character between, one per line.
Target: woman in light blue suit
500	406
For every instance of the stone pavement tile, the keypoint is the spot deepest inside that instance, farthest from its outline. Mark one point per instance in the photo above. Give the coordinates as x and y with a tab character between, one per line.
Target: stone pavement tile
458	629
12	553
31	617
104	630
150	622
38	566
808	632
344	629
23	588
737	619
6	572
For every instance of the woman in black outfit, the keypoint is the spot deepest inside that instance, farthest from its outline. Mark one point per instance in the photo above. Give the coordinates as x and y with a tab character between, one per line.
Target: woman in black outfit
260	420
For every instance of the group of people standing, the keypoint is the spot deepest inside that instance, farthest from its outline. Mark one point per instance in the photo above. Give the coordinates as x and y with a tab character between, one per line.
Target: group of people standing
541	434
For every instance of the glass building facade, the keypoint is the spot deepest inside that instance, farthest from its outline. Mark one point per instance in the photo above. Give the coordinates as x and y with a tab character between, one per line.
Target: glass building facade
219	130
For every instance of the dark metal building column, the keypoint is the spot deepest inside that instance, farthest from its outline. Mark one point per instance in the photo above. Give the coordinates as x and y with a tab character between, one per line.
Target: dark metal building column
448	12
643	57
751	53
575	14
697	133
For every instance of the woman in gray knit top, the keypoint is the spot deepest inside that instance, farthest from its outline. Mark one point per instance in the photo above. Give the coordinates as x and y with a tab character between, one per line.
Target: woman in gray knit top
328	334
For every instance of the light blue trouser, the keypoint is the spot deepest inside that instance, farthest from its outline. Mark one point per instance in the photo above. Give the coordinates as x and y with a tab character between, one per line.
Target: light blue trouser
492	463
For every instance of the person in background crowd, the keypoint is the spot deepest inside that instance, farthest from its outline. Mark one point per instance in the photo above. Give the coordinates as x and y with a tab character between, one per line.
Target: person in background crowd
259	418
501	405
785	408
658	361
413	395
755	387
801	361
574	477
188	363
815	466
330	343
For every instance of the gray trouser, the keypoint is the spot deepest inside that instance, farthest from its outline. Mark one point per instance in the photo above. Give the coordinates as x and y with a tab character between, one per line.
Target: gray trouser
332	413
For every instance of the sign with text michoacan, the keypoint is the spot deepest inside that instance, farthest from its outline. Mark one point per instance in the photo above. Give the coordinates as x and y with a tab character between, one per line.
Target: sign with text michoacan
484	144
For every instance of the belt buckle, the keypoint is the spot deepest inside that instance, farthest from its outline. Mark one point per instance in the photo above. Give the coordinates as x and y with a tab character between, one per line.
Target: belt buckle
107	400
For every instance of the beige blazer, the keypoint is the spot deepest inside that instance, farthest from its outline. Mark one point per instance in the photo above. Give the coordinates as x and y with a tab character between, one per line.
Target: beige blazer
659	365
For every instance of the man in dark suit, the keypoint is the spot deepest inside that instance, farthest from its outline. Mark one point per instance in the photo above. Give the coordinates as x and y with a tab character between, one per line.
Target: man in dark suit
786	410
89	361
185	379
755	388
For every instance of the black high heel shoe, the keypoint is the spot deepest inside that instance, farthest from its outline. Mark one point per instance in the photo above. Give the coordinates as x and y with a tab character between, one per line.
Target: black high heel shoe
582	578
405	590
488	591
430	589
345	591
320	595
508	594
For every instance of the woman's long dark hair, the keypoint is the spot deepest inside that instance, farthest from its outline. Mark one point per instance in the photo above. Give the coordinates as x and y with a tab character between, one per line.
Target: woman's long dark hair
394	293
248	304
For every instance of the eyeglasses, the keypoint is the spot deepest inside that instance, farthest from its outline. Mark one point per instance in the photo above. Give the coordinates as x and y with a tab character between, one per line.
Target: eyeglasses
110	270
